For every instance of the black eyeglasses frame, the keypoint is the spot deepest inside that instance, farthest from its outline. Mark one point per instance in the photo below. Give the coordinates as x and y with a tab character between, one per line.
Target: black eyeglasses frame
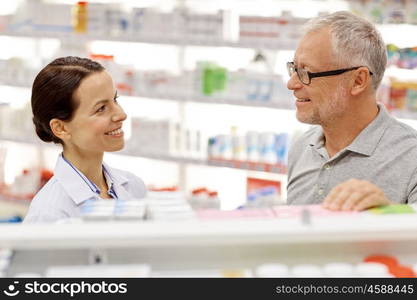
291	66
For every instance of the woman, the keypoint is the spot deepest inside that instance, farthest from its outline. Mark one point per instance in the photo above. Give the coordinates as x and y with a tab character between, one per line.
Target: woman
74	103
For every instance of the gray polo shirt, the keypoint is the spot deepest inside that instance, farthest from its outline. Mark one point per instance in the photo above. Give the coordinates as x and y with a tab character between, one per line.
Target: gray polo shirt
384	153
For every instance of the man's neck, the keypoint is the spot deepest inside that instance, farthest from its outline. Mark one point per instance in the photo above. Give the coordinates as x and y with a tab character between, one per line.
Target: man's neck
343	132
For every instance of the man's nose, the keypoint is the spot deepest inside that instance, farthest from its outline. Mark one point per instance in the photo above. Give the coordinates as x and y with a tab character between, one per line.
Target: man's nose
294	82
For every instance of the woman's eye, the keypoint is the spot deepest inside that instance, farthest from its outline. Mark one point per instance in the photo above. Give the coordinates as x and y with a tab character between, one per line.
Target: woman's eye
115	99
101	108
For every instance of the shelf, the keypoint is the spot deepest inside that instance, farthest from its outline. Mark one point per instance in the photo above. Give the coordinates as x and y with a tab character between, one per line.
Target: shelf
215	100
82	38
361	227
211	245
260	167
197	99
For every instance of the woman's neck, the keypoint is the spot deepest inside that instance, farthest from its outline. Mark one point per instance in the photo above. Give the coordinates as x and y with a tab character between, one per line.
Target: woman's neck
91	165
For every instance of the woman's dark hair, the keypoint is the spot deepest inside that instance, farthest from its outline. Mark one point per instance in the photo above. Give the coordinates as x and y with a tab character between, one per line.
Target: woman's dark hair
53	92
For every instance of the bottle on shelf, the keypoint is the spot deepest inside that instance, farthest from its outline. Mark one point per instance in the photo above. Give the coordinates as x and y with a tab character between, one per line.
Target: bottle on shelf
79	17
259	84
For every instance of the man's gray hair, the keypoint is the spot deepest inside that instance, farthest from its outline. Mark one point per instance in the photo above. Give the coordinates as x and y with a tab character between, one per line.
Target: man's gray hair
355	41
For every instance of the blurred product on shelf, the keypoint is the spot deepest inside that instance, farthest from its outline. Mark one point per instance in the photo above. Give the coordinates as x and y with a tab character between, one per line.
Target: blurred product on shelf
212	78
381	266
163	189
260	84
405	58
161	204
387	11
268	30
165	137
263	193
17	71
254	84
168	206
37	16
180	24
79	17
392	264
263	151
398	89
16	122
27	184
400	97
113	210
202	198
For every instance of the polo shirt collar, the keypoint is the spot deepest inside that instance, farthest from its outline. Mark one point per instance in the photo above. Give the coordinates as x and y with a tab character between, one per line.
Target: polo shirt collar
367	140
317	138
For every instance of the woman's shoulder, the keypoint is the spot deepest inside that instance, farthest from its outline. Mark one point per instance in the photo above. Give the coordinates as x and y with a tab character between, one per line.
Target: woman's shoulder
49	204
132	182
124	175
51	193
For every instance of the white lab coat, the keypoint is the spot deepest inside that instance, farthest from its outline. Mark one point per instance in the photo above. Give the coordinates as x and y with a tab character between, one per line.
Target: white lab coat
64	194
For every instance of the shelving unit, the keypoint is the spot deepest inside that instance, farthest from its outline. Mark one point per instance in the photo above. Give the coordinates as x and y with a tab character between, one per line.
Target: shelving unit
182	99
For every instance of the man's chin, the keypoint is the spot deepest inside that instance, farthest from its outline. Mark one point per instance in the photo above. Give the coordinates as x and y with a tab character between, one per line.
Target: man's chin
306	119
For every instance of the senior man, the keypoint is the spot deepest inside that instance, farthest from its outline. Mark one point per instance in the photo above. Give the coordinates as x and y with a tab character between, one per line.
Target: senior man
356	156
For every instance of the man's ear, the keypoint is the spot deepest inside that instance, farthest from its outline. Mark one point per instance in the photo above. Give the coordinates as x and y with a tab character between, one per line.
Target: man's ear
60	129
361	81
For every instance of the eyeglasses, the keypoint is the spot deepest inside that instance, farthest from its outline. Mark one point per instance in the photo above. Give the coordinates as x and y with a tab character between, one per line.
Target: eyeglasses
306	76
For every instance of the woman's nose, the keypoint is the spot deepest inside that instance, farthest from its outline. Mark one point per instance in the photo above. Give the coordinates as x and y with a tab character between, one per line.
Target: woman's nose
119	115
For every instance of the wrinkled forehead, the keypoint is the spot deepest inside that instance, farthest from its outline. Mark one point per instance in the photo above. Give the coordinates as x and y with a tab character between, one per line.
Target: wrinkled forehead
315	50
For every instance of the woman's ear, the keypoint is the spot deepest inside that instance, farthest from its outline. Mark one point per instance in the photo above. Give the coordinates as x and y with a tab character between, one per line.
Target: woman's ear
59	129
361	81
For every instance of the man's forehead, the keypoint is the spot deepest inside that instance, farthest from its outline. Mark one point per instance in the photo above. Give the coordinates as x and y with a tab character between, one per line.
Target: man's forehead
315	47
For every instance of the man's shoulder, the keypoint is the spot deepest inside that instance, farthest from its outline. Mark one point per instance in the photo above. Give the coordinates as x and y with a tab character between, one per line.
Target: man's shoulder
399	130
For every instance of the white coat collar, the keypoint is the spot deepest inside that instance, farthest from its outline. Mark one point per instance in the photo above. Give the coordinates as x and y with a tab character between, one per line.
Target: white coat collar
79	190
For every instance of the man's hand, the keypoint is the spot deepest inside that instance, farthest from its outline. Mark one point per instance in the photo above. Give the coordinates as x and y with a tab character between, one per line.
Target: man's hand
355	194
